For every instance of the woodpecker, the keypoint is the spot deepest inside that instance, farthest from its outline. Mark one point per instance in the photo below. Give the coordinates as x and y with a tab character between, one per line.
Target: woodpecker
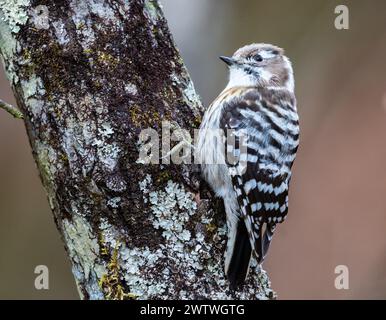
246	146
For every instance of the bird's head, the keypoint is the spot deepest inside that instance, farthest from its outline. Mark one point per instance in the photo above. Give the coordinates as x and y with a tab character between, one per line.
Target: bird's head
260	64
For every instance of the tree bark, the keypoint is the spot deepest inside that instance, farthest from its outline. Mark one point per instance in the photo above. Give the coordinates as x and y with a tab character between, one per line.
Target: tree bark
88	76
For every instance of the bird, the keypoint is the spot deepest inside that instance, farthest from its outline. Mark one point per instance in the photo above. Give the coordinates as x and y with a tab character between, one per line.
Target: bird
246	146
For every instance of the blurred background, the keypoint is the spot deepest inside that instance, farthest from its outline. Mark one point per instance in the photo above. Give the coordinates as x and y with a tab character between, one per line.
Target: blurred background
337	206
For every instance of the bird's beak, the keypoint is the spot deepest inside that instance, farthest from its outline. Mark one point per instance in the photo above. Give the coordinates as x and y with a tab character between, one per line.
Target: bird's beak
228	61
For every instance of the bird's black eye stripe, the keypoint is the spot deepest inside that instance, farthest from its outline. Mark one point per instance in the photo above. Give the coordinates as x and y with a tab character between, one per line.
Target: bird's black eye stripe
251	71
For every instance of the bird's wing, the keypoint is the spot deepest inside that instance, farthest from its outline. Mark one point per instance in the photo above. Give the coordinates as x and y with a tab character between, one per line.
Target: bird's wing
261	142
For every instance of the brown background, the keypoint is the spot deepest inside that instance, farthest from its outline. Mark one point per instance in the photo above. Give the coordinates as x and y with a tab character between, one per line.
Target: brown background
337	202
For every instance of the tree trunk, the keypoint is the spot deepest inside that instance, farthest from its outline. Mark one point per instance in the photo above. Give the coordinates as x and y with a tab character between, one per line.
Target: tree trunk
88	76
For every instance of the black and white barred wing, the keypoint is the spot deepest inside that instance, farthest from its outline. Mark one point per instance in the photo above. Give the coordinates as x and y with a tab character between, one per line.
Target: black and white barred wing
261	141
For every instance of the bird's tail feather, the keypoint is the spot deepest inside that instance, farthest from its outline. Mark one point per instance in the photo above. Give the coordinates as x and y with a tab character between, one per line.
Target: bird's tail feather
238	265
268	234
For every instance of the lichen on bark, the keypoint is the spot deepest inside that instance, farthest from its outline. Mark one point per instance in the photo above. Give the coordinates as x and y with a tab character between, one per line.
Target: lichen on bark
87	83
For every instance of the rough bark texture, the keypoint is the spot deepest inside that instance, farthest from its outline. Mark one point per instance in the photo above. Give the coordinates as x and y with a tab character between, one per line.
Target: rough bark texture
88	75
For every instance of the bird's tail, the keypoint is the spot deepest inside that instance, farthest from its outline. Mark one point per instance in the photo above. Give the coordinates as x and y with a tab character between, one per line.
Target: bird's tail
239	255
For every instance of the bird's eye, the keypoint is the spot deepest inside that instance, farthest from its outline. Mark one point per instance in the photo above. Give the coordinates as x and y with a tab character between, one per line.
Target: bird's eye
257	58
